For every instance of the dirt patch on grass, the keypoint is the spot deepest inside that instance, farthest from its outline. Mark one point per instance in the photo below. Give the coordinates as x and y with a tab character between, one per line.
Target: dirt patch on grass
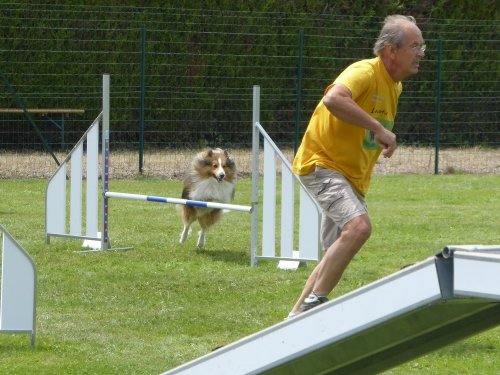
171	165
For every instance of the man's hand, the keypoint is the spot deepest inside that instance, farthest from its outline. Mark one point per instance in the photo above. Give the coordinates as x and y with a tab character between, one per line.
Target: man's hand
387	140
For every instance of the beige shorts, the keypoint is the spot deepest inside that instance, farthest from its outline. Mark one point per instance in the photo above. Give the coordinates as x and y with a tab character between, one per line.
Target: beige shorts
339	201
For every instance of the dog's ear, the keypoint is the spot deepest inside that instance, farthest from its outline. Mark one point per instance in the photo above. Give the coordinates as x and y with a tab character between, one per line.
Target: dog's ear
203	159
226	154
210	153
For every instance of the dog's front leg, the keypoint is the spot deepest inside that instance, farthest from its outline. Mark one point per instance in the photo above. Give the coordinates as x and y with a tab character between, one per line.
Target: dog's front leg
201	239
184	233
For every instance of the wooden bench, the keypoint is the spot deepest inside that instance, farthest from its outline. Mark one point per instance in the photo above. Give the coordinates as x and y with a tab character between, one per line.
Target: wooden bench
42	111
48	114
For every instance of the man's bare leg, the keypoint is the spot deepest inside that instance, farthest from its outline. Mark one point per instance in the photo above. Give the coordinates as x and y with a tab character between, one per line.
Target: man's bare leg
329	270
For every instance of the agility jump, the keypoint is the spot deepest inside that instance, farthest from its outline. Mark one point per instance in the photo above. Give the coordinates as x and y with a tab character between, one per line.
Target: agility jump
95	225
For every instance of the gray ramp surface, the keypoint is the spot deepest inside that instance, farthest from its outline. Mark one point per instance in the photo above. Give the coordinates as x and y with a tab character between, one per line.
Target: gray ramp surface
419	309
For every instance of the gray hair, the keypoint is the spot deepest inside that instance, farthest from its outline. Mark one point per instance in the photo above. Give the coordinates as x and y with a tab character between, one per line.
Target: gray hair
392	32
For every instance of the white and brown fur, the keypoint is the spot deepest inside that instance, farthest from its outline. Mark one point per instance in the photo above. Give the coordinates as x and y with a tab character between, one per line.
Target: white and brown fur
211	177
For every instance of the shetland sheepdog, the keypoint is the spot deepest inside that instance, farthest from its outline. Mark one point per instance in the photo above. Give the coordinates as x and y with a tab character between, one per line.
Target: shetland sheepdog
211	177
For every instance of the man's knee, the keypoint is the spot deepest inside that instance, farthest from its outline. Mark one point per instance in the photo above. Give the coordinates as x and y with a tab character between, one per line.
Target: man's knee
359	227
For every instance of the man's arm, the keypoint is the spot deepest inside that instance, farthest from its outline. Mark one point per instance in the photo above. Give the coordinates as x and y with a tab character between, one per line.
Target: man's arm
339	102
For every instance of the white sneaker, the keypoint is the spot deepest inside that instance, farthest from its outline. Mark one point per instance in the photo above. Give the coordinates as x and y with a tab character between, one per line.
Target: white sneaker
291	315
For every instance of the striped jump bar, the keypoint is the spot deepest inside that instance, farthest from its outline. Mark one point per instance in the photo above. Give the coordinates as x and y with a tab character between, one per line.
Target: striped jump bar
186	202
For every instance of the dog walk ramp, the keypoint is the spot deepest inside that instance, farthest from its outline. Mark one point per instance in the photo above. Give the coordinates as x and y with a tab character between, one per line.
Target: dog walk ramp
438	301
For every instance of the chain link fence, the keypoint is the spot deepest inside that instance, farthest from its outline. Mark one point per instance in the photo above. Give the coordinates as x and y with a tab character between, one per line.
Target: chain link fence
181	80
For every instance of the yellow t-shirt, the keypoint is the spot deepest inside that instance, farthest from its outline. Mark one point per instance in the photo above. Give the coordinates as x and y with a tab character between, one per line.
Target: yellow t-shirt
348	149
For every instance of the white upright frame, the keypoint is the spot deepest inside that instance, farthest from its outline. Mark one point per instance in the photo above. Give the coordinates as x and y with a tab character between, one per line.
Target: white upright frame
309	244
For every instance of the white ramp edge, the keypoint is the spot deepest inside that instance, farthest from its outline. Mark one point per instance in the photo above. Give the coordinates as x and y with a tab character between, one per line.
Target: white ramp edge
398	318
18	289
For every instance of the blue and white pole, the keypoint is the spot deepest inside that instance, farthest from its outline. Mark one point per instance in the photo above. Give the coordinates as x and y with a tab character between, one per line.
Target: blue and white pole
186	202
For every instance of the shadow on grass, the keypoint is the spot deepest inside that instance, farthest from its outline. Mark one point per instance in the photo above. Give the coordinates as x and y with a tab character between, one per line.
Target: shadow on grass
227	256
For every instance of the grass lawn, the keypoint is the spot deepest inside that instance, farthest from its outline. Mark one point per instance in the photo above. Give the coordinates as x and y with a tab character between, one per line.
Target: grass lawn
152	308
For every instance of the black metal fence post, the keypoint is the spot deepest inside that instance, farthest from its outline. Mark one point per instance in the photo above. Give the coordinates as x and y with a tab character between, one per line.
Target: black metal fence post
298	101
438	108
143	94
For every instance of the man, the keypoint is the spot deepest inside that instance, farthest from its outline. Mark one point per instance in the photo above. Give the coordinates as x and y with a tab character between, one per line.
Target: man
348	130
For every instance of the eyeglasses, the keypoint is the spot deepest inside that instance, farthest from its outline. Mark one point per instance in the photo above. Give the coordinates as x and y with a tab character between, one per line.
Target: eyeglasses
418	47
